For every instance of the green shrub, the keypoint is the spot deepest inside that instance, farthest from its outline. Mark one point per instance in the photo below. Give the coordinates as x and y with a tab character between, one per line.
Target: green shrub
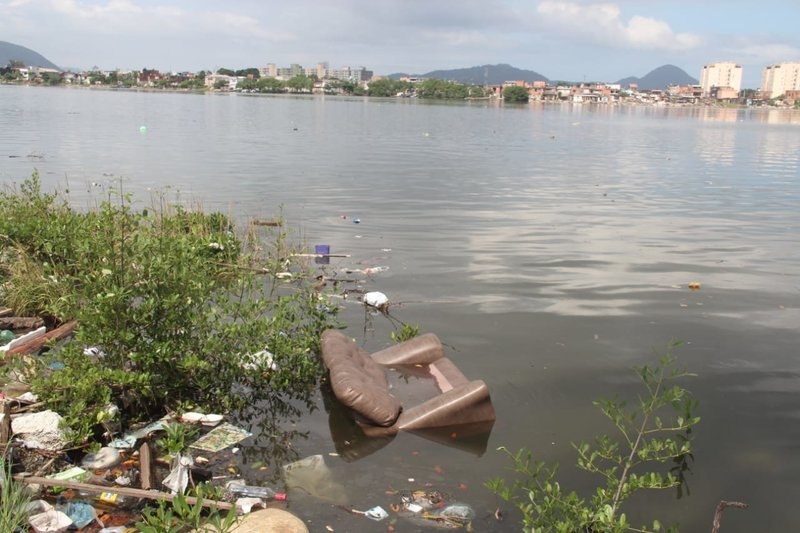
179	516
176	437
631	463
405	333
175	299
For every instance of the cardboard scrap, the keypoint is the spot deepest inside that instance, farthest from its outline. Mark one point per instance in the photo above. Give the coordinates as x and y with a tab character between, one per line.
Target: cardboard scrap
220	438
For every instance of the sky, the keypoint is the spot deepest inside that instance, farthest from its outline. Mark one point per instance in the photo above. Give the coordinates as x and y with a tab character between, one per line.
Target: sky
575	40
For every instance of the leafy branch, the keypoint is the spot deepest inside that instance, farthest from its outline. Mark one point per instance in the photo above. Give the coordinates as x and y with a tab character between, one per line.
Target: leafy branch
626	465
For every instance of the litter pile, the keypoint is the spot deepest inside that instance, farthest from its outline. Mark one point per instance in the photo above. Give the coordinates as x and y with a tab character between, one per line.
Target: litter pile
106	489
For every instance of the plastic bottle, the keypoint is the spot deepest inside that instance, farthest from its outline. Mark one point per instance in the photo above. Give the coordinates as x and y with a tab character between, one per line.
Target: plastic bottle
108	500
241	490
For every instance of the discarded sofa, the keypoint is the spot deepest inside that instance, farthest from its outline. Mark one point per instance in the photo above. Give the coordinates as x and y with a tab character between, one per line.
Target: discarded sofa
359	382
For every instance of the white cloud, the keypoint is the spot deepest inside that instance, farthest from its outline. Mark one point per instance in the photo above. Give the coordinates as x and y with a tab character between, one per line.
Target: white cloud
603	24
126	17
769	53
114	11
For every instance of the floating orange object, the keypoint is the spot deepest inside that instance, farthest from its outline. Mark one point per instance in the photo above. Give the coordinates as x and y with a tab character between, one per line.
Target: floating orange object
695	285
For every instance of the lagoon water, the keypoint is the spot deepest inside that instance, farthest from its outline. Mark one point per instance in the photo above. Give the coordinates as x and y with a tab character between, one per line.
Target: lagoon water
549	246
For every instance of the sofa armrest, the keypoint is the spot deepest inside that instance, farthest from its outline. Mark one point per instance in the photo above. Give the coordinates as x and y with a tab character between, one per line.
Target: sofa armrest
464	404
420	350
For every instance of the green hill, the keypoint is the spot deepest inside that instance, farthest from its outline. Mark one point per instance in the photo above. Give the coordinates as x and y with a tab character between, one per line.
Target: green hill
661	78
481	75
14	52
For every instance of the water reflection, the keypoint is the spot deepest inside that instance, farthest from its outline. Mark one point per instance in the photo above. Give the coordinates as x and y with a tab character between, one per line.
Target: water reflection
272	419
716	145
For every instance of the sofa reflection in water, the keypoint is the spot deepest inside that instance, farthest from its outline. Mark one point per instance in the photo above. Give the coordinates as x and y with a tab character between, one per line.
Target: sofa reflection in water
366	411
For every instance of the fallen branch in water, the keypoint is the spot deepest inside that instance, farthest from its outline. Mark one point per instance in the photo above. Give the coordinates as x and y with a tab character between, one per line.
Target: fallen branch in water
721	507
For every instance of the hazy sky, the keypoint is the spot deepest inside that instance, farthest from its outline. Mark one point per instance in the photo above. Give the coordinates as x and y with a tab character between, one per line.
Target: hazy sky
570	40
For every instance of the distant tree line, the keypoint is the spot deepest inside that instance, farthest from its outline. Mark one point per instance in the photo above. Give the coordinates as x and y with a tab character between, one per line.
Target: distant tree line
433	88
296	84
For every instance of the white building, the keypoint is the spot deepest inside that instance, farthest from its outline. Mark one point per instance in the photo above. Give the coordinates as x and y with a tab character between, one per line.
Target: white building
725	74
227	82
779	78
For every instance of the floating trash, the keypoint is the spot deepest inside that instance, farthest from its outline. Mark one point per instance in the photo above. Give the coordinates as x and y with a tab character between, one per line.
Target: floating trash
377	513
376	299
430	508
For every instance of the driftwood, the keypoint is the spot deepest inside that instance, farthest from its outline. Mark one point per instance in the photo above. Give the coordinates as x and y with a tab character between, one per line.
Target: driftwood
721	507
36	344
21	322
6	311
145	465
267	222
122	491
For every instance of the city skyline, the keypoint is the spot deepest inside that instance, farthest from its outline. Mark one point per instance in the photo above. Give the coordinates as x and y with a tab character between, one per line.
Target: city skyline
560	39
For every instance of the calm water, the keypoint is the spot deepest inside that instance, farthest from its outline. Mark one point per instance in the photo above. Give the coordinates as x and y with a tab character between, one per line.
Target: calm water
549	247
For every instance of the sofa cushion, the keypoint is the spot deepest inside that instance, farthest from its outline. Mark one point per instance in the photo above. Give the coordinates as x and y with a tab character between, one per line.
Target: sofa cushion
358	381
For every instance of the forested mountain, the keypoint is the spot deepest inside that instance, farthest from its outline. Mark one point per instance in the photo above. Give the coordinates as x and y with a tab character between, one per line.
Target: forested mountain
14	52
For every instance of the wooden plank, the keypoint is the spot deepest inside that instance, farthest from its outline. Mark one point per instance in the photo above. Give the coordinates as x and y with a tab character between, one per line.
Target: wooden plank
122	491
36	344
145	465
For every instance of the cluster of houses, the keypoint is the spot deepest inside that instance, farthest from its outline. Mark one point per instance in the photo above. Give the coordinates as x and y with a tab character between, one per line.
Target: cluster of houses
603	93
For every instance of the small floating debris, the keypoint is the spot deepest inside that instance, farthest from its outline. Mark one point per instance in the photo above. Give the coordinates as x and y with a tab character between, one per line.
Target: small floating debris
275	222
376	299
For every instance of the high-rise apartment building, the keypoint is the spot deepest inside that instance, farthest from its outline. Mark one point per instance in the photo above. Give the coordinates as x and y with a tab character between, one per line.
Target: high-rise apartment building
724	74
779	78
270	71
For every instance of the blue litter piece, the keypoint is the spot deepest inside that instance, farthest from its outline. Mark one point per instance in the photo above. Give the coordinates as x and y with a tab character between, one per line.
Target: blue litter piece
81	513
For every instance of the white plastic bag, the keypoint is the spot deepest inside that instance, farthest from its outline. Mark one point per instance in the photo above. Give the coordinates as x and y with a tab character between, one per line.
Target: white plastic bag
178	477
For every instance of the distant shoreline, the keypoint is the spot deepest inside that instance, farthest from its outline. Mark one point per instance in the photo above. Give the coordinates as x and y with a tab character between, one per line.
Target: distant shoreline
622	103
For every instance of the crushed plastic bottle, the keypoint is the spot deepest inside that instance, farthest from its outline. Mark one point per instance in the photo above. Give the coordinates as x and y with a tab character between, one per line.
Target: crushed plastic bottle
6	336
240	490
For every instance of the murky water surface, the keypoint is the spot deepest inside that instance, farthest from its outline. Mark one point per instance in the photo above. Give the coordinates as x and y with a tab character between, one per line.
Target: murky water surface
549	247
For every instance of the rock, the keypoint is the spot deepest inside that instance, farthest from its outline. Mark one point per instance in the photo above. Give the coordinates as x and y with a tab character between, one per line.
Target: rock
40	430
269	520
